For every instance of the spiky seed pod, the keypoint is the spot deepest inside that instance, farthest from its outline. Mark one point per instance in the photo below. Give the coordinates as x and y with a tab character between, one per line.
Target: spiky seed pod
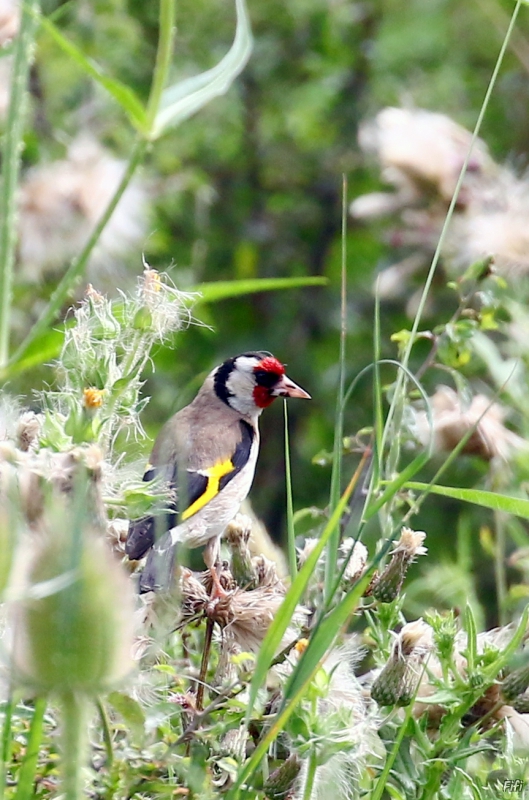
389	583
281	781
237	537
521	703
389	683
398	681
515	683
194	597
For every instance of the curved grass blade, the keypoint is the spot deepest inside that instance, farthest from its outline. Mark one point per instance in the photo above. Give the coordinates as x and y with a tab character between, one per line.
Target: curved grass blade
276	631
188	96
224	290
518	506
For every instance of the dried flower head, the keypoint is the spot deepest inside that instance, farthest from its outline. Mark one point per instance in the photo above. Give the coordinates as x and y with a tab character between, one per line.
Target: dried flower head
357	563
305	551
452	419
9	20
60	204
420	150
163	307
493	224
28	430
345	735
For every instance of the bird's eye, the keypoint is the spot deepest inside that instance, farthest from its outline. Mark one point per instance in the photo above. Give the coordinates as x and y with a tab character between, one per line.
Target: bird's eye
266	378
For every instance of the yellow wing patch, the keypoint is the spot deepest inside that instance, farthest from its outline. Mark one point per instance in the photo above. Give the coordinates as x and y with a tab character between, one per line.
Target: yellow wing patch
214	474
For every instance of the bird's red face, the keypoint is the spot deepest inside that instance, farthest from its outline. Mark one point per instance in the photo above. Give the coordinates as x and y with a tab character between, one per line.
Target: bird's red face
252	381
271	382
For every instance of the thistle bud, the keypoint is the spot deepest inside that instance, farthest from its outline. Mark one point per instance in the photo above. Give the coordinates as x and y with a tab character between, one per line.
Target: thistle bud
237	536
399	679
73	629
389	583
521	703
515	683
281	781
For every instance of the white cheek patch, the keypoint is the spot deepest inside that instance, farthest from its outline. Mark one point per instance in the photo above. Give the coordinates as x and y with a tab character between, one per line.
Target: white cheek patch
240	385
245	364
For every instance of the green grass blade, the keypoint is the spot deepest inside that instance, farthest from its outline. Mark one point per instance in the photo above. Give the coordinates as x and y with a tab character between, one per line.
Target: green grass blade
518	506
323	638
11	156
26	776
402	479
291	534
122	94
336	475
282	619
223	290
180	101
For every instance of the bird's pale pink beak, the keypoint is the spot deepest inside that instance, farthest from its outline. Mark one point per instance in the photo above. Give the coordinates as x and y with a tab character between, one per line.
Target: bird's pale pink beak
287	388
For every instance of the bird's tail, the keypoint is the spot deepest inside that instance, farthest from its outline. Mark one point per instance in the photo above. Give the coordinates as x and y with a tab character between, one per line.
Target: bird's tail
157	575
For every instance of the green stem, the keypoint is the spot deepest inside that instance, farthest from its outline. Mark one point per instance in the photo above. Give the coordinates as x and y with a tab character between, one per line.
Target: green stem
77	266
11	158
74	740
26	775
336	477
6	741
107	736
435	771
163	61
500	575
311	774
292	560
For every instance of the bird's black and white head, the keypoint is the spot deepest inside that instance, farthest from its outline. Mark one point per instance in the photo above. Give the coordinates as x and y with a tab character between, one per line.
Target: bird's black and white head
251	381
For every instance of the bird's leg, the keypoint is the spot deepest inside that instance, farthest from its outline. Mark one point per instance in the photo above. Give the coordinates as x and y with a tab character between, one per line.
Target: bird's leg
211	559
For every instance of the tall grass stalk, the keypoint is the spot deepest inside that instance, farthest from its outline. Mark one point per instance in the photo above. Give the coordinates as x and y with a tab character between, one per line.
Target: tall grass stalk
77	267
7	739
26	776
11	158
336	476
291	534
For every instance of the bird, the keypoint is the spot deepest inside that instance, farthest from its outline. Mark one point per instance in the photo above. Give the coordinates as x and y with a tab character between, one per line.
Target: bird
206	453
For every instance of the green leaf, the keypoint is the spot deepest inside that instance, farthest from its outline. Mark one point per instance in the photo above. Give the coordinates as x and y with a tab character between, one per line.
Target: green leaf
130	710
46	348
123	94
322	639
396	484
222	290
180	101
518	506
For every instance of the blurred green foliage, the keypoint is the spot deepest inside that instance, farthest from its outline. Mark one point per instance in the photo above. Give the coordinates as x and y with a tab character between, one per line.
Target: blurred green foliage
251	187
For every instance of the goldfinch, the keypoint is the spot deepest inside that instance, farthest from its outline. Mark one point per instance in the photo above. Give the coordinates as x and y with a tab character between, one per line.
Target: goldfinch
207	454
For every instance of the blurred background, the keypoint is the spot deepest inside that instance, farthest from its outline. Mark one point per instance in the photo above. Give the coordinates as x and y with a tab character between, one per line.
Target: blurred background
252	187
